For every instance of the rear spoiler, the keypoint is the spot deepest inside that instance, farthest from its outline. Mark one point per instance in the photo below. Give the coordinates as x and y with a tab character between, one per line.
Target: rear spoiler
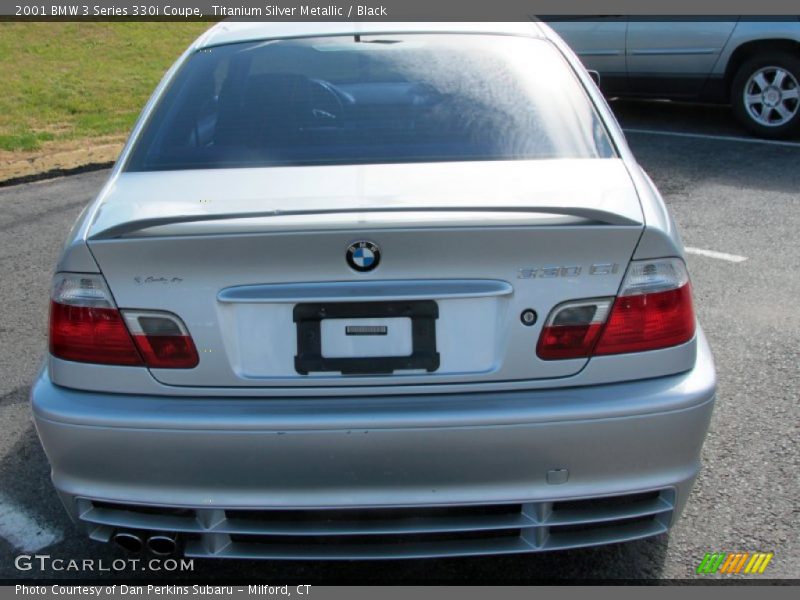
591	215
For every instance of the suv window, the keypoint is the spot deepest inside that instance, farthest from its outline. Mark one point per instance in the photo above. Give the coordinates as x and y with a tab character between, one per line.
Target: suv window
371	99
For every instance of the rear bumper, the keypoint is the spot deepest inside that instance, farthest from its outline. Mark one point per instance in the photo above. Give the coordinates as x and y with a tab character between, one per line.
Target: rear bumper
209	455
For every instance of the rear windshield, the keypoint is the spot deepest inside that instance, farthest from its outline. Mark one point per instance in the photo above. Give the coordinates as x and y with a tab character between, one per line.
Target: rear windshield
371	99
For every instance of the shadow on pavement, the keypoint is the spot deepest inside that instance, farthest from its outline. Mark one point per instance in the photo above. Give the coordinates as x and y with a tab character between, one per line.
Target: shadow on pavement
678	164
664	115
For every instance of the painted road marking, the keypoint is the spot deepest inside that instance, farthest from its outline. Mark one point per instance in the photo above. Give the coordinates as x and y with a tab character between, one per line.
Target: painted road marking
23	531
714	254
705	136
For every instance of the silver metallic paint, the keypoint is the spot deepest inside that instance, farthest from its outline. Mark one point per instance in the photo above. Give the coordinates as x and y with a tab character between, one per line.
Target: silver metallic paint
115	433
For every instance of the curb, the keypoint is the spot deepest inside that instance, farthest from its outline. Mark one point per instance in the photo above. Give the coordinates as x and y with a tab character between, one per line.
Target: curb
55	173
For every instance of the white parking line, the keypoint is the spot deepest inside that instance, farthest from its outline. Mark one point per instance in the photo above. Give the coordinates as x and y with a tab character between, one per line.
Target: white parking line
705	136
735	258
22	531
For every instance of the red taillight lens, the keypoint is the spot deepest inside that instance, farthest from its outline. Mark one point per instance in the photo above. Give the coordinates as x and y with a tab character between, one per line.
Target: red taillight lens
85	326
567	341
654	310
167	352
648	322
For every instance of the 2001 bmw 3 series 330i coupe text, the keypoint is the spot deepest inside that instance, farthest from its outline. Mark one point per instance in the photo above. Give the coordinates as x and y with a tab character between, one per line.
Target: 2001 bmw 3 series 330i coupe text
370	291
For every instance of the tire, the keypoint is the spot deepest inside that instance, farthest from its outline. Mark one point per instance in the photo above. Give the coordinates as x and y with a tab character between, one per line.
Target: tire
768	110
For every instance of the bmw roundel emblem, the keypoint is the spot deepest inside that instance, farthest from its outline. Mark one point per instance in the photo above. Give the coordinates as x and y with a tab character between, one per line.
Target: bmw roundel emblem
363	256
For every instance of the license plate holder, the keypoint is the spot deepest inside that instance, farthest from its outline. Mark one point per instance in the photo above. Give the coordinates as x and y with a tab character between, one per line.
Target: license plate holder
309	357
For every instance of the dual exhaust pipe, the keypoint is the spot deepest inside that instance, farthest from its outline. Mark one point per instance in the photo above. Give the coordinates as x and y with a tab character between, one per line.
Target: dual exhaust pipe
158	544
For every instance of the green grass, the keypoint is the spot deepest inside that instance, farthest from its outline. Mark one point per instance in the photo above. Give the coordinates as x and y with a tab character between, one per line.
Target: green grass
67	81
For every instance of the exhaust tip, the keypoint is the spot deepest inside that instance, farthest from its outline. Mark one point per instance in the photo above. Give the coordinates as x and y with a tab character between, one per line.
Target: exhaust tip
130	542
161	545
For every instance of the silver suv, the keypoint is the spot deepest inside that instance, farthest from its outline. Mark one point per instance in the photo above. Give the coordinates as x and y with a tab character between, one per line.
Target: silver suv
753	65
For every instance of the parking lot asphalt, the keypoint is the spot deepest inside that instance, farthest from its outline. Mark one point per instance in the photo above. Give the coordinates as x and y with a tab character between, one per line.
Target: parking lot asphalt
735	198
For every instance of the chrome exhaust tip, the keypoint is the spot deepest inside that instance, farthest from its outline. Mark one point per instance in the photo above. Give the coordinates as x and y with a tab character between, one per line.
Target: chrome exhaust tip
162	544
130	542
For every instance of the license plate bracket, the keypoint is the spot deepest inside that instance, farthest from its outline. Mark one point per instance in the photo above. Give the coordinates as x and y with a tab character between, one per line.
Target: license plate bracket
309	358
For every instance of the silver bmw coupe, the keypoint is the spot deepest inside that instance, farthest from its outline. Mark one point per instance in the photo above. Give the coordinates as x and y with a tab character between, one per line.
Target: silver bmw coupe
373	291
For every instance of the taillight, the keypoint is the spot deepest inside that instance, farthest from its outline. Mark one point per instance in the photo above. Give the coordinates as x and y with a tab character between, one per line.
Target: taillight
653	310
572	329
162	339
86	326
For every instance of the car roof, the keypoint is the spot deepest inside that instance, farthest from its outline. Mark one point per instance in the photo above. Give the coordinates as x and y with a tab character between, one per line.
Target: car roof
231	32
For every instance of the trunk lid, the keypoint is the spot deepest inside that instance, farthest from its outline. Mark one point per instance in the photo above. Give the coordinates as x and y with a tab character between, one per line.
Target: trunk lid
247	258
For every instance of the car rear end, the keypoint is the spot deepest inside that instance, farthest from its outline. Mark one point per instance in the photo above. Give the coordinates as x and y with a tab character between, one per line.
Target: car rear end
356	306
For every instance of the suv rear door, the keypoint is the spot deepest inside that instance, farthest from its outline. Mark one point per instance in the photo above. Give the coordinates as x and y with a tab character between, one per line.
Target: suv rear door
673	58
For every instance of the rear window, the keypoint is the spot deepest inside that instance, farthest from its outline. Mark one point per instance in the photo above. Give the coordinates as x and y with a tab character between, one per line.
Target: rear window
371	99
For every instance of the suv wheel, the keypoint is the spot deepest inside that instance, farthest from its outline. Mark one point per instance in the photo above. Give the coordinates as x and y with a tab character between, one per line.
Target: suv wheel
766	95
